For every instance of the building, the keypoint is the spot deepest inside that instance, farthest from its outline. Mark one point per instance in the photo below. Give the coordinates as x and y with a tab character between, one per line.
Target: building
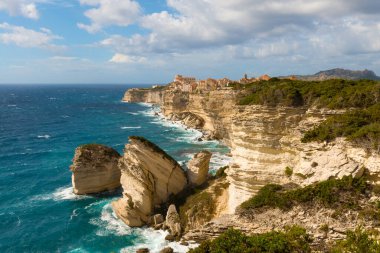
183	79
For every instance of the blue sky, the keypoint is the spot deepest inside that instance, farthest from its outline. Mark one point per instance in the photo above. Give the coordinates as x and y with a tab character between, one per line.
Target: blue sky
130	41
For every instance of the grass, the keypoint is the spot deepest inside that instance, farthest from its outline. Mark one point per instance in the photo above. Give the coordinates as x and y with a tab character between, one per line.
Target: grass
293	239
330	193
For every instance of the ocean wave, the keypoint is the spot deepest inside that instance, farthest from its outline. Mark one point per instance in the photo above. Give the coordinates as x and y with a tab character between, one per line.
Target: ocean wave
109	224
46	136
60	194
145	104
130	127
133	113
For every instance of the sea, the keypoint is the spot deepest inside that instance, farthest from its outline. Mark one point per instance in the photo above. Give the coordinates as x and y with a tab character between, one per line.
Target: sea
40	127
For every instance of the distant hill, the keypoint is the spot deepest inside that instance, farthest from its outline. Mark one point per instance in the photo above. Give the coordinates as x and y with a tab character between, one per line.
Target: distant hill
338	74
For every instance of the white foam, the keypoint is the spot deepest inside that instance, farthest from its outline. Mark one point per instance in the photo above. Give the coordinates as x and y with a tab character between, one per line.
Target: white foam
108	223
60	194
146	104
155	241
66	193
46	136
12	105
130	127
133	113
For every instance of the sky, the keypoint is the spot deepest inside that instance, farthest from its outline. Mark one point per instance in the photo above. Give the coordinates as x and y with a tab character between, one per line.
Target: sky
149	41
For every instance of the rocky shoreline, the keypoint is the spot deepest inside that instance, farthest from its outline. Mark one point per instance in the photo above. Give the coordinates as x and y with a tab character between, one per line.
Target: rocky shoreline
265	147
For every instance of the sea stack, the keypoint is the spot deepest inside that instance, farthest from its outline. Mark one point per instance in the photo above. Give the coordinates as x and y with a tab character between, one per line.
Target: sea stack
95	169
198	168
148	177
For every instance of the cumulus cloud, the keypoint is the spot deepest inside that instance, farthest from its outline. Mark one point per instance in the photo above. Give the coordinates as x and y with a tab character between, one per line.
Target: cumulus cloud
20	8
255	28
109	12
122	58
23	37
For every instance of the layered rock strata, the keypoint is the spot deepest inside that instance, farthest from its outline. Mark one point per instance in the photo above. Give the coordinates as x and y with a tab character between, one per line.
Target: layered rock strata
149	177
95	169
197	168
265	140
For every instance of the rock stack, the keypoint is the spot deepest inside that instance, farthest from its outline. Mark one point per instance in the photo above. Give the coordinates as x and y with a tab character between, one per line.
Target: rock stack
95	169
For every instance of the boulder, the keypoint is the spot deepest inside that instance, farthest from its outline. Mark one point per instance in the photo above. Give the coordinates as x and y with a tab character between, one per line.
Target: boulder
158	219
148	177
197	168
167	250
95	169
173	221
143	250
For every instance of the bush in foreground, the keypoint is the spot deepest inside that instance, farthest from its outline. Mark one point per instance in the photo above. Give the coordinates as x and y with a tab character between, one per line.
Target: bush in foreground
293	239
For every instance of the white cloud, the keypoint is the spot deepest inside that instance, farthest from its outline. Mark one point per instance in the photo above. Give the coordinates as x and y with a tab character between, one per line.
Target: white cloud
24	8
122	58
256	29
110	12
28	38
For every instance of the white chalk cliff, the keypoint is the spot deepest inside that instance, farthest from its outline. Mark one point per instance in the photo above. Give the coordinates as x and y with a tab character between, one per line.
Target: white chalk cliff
149	177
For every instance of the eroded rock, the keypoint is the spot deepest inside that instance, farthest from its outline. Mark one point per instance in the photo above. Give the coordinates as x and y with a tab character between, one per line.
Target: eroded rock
198	168
173	221
95	169
149	177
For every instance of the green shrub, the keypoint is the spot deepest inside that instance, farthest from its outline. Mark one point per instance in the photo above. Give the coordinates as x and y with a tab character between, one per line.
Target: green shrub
358	241
334	94
288	171
333	192
293	239
359	126
221	172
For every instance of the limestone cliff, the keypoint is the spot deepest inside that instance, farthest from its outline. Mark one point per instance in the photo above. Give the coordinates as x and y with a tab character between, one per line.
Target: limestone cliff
265	140
95	169
149	177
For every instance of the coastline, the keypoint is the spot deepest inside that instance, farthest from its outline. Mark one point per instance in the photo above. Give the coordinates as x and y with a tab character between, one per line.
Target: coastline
219	159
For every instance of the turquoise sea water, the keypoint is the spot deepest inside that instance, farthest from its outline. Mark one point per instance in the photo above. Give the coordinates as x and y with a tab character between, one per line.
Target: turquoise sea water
40	127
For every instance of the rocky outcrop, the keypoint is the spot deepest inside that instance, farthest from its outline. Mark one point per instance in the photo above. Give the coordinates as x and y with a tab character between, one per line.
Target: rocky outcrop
173	221
188	119
265	140
149	177
197	168
144	95
95	169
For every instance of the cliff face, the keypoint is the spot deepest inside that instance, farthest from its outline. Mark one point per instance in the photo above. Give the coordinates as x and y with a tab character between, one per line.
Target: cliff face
148	177
265	140
95	169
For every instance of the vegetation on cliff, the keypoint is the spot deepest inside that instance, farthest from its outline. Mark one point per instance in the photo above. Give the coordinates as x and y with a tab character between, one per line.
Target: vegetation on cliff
333	94
293	239
360	123
335	193
359	126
